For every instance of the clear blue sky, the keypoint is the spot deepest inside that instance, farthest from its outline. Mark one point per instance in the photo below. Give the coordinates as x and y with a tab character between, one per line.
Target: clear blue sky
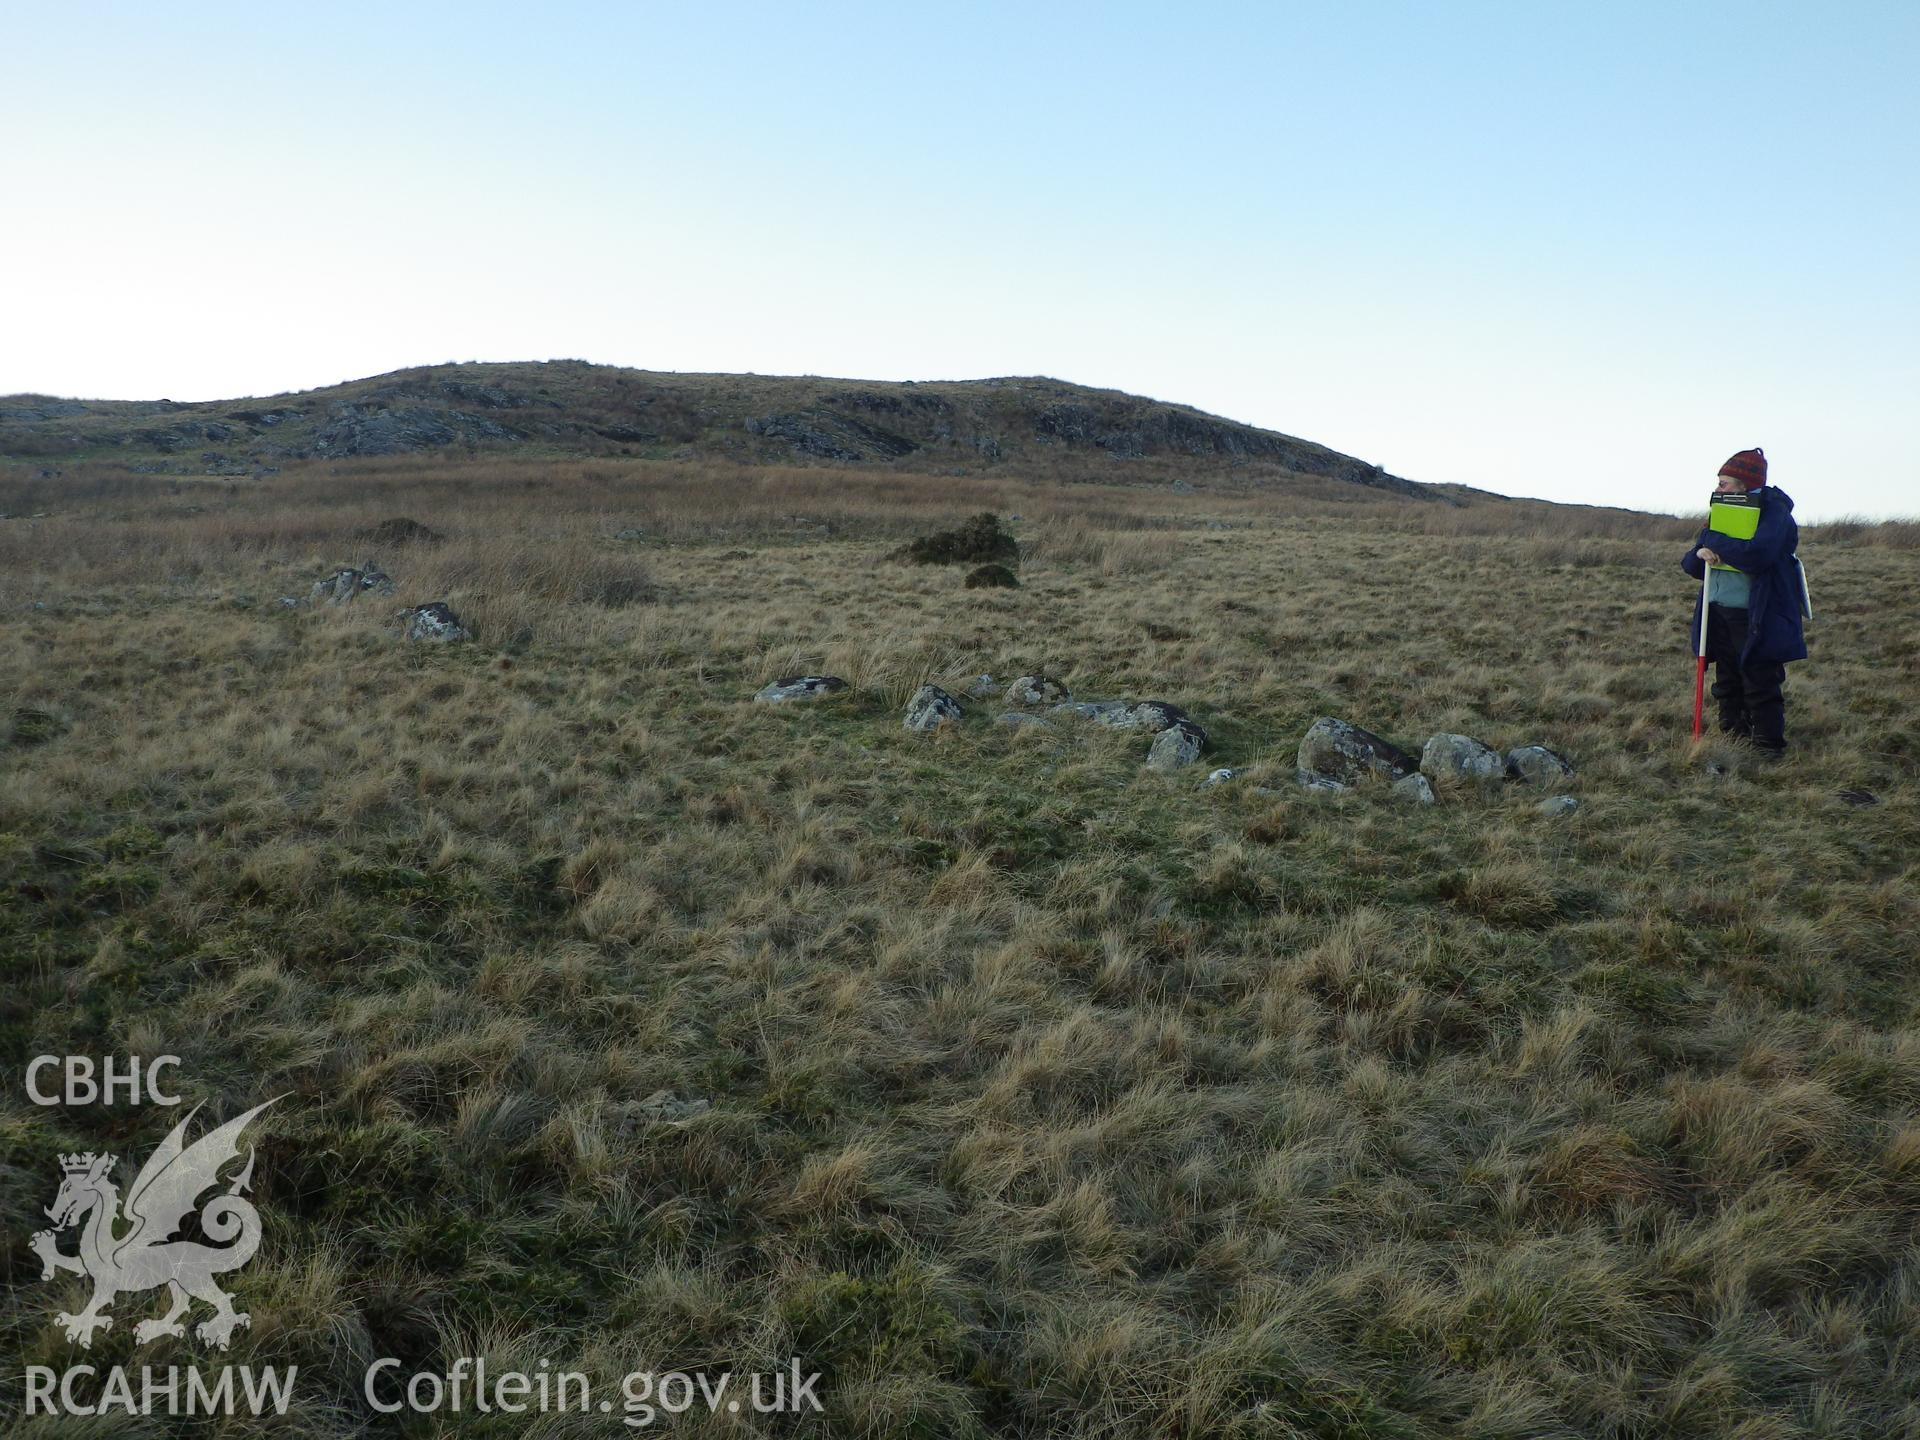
1552	250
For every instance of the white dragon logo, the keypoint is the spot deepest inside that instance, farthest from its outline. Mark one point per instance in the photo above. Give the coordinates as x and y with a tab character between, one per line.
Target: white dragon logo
163	1194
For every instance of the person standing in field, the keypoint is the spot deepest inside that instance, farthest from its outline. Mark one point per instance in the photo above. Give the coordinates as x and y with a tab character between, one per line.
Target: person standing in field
1753	615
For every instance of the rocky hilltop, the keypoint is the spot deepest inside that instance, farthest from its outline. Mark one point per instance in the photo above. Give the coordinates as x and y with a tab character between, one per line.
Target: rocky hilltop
571	407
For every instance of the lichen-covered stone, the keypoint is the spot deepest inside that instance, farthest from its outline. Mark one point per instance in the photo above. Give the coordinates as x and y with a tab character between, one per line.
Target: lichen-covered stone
800	687
1537	765
1415	788
1340	751
1037	690
930	708
1177	746
1460	757
1154	716
433	621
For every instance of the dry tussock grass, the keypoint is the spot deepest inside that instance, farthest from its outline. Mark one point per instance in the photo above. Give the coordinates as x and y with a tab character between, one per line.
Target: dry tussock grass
1044	1095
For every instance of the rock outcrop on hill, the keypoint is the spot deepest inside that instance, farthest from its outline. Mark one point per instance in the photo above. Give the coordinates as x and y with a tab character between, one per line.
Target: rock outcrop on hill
573	407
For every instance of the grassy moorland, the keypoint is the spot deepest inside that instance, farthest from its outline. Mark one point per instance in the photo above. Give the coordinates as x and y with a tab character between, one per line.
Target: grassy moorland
1018	1089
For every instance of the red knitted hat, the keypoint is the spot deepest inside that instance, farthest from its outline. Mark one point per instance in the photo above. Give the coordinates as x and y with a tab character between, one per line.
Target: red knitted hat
1749	467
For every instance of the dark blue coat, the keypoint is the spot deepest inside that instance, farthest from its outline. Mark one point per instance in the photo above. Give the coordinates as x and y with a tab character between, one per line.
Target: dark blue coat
1773	608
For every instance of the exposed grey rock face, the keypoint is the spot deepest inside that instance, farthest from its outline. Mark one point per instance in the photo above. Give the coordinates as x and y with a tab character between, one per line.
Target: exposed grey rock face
267	419
1538	765
1101	712
1177	746
800	687
485	397
831	436
1460	757
1023	720
185	436
1558	805
757	419
434	621
1037	690
365	430
930	708
1337	750
1415	788
346	584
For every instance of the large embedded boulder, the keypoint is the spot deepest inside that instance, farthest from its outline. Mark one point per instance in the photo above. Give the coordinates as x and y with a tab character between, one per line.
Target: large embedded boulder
1537	765
1460	758
1177	746
1342	752
1416	789
433	621
1037	690
1153	716
800	687
930	708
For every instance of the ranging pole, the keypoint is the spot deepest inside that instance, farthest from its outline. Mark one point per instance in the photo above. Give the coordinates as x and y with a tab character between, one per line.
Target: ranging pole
1700	671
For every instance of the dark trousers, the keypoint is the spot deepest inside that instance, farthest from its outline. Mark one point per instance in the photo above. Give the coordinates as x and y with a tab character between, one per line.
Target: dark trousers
1751	705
